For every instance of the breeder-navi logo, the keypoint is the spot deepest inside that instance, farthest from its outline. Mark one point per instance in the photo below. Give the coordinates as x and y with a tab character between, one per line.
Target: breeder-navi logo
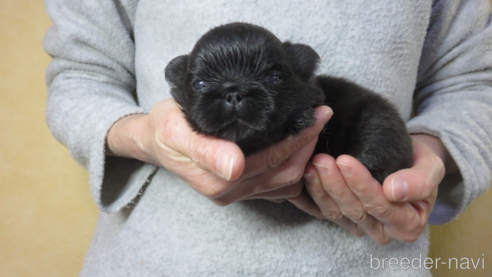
428	263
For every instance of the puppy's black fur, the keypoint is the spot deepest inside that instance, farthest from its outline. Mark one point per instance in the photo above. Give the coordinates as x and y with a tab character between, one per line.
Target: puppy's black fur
241	83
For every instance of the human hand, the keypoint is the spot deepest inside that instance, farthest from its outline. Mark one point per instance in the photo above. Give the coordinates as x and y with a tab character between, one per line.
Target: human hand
344	192
214	167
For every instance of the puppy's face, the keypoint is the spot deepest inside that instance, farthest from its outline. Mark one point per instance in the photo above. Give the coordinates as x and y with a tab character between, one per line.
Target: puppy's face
241	83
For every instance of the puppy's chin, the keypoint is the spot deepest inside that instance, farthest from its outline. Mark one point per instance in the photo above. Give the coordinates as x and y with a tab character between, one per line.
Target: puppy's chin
239	130
232	126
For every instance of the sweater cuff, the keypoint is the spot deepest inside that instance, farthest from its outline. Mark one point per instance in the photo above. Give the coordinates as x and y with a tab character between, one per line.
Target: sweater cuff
115	181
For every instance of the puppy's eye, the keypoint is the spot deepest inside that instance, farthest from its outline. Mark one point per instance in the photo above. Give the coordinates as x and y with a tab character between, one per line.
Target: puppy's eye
274	79
198	85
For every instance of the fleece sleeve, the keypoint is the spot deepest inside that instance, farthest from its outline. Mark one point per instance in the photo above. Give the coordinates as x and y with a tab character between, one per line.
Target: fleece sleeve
91	85
453	99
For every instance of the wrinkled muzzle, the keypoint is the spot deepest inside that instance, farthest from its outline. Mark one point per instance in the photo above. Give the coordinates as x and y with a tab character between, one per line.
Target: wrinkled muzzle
233	113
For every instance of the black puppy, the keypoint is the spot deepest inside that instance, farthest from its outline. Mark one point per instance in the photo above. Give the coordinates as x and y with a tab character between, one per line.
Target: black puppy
241	83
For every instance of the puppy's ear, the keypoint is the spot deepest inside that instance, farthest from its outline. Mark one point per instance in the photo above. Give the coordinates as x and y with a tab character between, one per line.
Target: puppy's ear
176	70
304	59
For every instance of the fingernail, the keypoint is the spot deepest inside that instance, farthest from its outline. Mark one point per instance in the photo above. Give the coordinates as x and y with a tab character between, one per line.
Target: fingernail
309	179
225	164
323	170
323	115
345	169
329	112
399	189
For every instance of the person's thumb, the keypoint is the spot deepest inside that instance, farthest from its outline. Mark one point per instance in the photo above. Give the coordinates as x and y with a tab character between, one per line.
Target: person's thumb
220	157
418	182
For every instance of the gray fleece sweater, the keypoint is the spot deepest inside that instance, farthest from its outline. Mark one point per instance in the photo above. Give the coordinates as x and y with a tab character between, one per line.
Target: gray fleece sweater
108	61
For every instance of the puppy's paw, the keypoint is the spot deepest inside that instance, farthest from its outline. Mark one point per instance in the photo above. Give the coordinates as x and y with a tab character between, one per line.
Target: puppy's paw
301	121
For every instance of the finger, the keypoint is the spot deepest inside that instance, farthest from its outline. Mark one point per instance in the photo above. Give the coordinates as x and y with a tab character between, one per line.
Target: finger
279	194
328	207
277	154
204	182
335	184
419	182
304	203
392	220
278	201
314	188
221	157
285	175
364	186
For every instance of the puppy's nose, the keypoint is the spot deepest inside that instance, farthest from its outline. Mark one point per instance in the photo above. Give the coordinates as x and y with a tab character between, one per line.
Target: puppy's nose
233	98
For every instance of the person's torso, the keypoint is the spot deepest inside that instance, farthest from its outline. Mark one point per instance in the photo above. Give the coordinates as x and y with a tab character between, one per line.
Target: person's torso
376	45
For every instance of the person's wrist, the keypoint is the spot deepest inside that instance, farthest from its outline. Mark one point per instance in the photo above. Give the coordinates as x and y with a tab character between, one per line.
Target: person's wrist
436	145
433	143
127	137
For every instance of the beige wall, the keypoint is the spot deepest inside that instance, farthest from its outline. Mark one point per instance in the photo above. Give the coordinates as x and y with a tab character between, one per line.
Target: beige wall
46	213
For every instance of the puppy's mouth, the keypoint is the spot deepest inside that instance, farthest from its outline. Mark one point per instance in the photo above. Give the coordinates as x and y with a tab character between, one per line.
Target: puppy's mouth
236	129
235	122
